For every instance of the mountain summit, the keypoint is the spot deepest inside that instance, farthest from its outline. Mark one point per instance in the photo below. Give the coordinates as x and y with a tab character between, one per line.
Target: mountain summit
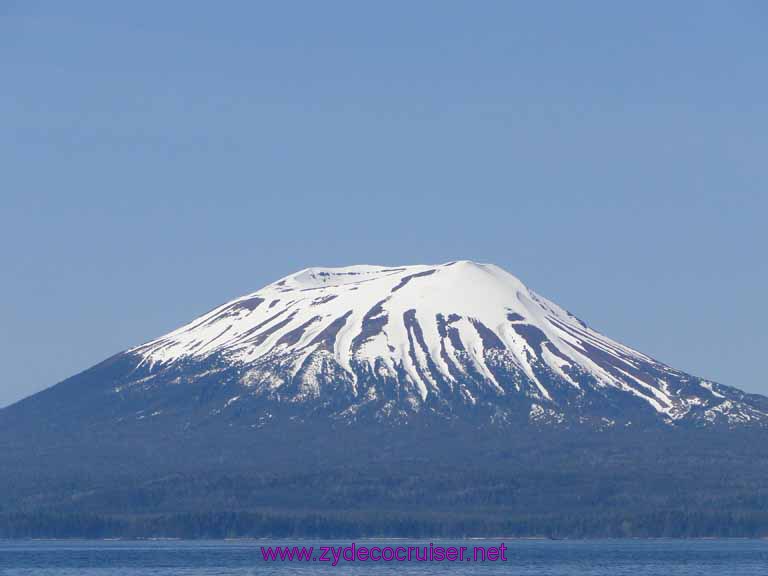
450	340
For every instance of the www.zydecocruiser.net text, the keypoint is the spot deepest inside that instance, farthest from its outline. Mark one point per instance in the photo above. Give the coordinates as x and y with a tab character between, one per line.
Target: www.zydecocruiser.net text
333	555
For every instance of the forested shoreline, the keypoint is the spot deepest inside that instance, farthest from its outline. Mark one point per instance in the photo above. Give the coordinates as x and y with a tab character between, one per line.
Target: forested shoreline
373	525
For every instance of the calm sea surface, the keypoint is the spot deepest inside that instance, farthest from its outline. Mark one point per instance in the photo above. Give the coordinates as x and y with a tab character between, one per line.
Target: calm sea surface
525	557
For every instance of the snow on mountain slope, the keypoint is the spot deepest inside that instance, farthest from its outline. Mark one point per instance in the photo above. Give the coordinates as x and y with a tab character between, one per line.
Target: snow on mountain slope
415	335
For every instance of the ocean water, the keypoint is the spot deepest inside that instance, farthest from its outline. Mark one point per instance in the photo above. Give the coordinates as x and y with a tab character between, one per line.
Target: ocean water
524	557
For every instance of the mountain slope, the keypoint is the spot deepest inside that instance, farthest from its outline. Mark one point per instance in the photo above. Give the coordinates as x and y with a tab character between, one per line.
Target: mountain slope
393	342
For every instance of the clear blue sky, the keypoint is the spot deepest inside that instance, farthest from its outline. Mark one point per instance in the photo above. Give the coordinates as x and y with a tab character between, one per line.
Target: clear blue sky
159	158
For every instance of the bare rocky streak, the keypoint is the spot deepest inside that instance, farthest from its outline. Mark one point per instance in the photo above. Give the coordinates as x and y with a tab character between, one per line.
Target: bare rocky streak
407	279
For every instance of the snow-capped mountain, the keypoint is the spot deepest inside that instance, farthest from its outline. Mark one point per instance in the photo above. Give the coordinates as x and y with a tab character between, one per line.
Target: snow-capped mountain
406	394
390	343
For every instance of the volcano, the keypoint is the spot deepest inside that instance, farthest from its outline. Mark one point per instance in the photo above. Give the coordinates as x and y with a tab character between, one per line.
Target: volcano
369	399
